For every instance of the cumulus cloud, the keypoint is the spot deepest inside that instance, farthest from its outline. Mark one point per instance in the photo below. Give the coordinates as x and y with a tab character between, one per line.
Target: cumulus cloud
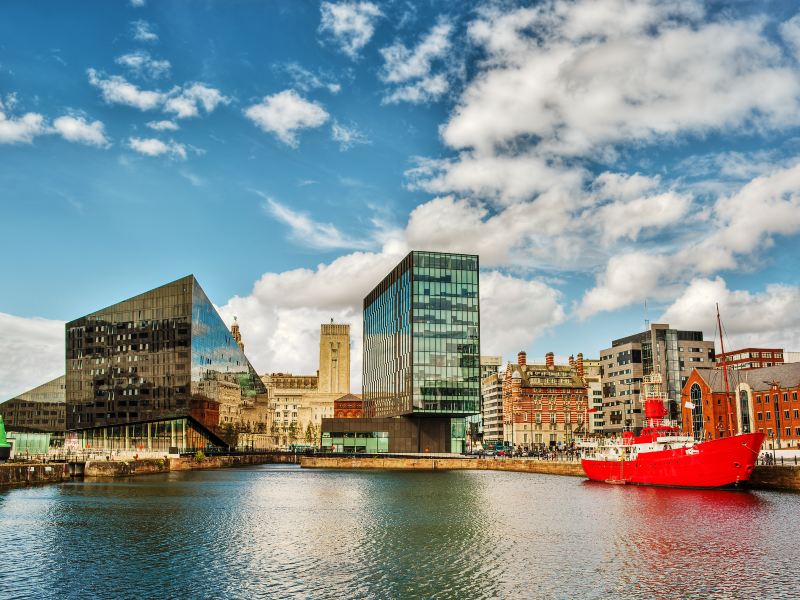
140	63
184	101
143	31
747	220
20	130
163	125
155	147
117	90
628	278
189	100
579	76
31	353
349	25
283	311
78	129
347	136
137	3
515	312
286	113
409	71
767	318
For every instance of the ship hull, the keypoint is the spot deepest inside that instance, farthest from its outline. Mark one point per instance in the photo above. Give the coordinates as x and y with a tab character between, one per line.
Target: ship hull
726	462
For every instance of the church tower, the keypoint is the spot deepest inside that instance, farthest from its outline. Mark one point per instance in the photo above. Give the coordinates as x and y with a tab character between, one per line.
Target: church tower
334	358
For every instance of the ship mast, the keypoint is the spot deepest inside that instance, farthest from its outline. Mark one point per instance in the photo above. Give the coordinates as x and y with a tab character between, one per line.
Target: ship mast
725	374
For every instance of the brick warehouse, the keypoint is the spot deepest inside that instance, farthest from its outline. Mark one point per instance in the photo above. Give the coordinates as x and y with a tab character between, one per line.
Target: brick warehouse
764	399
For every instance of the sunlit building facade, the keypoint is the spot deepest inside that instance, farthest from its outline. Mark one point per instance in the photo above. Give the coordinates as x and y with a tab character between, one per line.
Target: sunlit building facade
148	373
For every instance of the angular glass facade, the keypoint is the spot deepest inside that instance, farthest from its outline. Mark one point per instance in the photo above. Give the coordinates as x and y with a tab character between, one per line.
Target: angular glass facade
422	338
152	357
370	442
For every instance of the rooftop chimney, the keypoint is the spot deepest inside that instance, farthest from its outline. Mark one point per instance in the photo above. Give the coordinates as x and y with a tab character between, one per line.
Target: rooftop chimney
548	359
521	358
579	364
571	360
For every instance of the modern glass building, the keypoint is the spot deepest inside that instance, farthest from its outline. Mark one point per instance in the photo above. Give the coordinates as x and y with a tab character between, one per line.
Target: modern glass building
149	368
422	341
39	409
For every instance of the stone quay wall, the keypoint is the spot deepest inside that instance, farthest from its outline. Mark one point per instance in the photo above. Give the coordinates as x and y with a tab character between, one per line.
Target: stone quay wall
24	473
775	478
128	468
443	464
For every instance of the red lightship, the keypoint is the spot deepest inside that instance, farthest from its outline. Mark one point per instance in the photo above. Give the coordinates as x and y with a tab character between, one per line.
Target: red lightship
662	455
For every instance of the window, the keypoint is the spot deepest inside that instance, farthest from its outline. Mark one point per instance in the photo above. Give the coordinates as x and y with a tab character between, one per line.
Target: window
785	397
769	415
744	410
697	412
760	416
758	399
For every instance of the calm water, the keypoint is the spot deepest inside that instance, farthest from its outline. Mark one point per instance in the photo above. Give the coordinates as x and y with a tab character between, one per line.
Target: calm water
279	532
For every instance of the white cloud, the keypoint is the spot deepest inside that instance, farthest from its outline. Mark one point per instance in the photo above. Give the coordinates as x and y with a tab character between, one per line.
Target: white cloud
515	312
306	81
316	235
31	353
143	31
184	101
137	3
790	32
20	130
576	77
117	90
284	310
286	113
349	24
410	71
163	125
140	63
628	278
78	129
155	147
747	220
189	100
348	136
768	318
628	218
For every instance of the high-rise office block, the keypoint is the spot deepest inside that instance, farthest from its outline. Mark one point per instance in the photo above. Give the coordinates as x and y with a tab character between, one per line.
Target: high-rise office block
422	338
660	349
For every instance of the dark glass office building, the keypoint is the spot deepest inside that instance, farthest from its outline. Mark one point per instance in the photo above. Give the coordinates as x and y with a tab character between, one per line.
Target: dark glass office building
422	341
144	373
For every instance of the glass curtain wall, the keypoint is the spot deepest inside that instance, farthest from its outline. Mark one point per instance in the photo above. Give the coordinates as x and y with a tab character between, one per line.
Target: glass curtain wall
159	436
446	334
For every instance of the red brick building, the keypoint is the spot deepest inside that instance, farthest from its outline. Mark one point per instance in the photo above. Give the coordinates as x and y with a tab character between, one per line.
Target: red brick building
764	399
751	358
544	404
349	406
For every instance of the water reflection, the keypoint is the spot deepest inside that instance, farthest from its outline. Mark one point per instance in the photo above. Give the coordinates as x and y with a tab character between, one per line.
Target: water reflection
281	532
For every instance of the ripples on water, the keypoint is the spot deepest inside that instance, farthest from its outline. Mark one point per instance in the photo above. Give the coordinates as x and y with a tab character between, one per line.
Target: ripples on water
279	532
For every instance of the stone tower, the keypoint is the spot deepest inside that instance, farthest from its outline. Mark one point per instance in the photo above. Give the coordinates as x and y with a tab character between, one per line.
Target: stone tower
237	336
334	358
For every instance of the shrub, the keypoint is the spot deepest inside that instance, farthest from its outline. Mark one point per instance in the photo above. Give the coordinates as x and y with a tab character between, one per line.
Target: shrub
199	456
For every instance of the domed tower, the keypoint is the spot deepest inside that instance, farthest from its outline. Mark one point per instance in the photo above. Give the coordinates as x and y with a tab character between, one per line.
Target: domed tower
236	334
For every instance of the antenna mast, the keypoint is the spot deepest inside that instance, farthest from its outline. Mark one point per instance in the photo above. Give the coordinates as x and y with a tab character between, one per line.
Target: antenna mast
725	373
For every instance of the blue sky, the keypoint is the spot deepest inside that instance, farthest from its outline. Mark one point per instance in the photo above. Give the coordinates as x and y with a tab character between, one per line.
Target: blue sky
595	154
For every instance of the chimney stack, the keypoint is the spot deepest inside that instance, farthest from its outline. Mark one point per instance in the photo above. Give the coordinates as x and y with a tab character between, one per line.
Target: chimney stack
580	364
571	361
521	358
548	359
